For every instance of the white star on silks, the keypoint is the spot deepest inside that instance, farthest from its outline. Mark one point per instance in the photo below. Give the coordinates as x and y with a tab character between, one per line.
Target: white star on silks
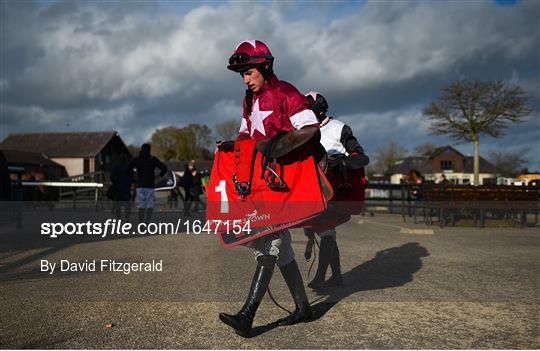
257	117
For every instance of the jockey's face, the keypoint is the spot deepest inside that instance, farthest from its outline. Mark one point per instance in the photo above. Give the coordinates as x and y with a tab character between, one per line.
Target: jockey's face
253	79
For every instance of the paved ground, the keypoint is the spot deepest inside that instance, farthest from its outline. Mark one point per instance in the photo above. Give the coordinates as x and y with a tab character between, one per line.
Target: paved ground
405	287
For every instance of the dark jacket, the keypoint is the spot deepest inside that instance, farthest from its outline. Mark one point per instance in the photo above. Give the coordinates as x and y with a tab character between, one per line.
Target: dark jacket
186	181
121	178
145	165
197	184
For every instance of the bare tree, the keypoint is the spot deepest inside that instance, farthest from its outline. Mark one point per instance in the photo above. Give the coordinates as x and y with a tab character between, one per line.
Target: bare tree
227	130
509	164
199	138
468	109
424	149
386	156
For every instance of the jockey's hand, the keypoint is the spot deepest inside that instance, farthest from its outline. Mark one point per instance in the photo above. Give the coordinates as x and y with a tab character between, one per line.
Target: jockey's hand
227	145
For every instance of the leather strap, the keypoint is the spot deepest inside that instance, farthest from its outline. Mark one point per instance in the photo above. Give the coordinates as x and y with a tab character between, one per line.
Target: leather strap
244	162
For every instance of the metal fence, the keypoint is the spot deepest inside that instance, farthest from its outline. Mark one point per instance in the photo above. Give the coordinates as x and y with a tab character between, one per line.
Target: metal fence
391	198
48	193
79	191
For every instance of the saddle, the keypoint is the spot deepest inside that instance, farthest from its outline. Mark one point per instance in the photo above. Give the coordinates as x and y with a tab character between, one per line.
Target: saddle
285	142
272	184
282	143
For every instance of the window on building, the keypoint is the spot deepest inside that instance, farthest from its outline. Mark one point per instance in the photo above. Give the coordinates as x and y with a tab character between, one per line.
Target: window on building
86	166
447	165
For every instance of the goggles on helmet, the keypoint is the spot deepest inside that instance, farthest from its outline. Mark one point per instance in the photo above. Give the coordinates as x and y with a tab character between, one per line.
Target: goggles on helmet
242	58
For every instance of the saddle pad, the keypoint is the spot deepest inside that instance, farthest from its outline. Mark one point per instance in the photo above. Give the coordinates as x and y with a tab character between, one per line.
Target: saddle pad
345	202
167	182
349	200
266	210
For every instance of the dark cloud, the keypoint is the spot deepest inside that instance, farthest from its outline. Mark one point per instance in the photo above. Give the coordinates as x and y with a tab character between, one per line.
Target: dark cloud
136	66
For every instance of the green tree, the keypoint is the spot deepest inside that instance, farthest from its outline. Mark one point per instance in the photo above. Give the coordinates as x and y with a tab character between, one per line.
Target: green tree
199	138
468	109
169	143
187	143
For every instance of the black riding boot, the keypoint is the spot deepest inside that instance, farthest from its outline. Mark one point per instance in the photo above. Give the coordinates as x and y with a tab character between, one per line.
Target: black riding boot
294	281
325	255
335	265
243	320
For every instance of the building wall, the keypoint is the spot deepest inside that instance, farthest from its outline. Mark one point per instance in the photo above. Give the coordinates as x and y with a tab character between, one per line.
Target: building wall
445	156
74	166
453	177
467	178
396	178
459	178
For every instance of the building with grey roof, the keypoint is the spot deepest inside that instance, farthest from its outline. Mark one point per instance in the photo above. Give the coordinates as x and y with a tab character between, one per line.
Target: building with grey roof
446	160
79	152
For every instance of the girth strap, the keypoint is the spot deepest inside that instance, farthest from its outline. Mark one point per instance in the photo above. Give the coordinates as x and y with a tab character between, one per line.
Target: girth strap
244	162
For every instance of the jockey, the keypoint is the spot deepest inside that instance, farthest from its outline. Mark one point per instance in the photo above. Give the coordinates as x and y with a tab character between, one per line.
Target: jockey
270	107
340	144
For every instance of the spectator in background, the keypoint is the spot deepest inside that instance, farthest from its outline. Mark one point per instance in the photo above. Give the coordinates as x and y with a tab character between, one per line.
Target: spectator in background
186	182
172	198
443	179
145	166
197	188
205	179
121	178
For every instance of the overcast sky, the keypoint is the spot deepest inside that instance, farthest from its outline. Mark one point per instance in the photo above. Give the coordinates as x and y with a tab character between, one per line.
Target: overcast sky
134	67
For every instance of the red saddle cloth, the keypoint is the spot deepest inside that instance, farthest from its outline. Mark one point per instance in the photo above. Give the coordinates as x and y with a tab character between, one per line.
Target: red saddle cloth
267	210
349	195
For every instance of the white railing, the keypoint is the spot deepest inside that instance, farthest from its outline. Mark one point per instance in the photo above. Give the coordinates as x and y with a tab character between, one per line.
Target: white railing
19	184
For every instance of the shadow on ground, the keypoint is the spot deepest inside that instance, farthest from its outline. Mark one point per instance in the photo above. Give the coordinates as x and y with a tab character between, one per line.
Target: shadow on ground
389	268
